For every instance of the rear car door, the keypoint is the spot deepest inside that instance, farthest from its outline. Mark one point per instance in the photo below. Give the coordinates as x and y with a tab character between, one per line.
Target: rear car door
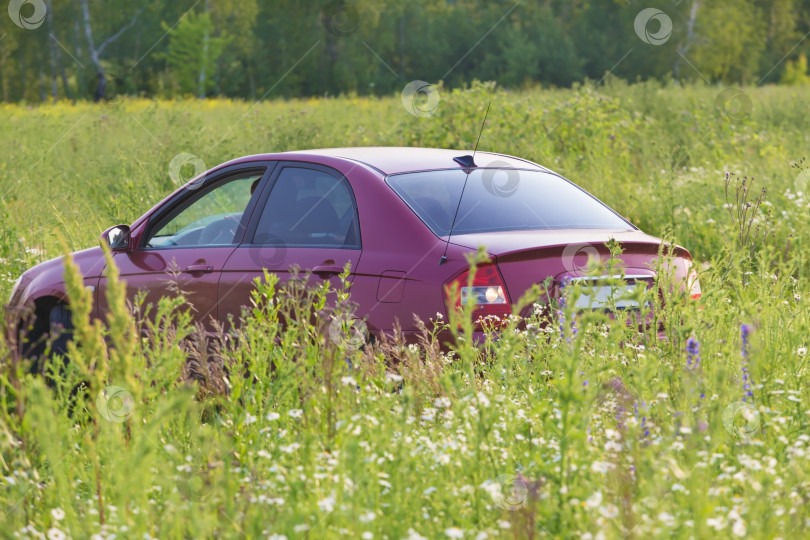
188	241
306	217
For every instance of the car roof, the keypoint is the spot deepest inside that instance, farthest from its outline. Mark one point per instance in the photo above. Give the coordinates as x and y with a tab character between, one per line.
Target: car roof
396	160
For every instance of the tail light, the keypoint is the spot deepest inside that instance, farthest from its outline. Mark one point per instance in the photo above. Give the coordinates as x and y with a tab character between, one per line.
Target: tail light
488	290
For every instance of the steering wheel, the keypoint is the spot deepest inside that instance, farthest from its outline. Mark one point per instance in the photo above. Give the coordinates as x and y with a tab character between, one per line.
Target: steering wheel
220	231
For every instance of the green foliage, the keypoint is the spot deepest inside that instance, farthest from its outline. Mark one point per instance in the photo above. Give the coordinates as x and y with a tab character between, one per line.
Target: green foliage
194	52
284	48
796	72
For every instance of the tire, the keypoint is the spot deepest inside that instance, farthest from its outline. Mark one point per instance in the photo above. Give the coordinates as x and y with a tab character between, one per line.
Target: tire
61	326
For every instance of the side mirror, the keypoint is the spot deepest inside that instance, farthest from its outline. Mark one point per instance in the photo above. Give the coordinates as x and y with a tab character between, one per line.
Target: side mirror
117	238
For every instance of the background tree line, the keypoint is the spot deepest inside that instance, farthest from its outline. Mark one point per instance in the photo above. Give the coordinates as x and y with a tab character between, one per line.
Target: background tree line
94	49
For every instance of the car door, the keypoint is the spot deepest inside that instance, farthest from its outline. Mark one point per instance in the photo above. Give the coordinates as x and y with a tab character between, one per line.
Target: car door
186	243
306	217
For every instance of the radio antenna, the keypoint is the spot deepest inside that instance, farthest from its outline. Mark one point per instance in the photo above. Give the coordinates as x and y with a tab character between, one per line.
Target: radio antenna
468	164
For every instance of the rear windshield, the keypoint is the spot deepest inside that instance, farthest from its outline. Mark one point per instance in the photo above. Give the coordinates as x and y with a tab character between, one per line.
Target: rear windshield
501	200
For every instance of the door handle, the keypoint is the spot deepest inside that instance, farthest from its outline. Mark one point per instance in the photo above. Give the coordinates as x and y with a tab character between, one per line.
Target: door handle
199	269
324	271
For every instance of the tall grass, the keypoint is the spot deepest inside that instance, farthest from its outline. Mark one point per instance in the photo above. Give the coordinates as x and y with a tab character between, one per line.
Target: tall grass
567	425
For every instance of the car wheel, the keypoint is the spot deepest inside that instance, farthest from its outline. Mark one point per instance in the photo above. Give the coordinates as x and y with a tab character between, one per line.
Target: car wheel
61	326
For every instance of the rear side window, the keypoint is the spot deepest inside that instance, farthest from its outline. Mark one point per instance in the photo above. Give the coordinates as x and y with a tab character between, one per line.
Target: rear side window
309	207
501	200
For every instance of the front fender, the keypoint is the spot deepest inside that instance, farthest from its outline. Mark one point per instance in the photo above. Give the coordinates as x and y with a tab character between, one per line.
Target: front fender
48	278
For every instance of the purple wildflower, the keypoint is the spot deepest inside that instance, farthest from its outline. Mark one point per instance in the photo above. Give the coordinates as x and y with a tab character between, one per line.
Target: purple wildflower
745	330
645	429
747	381
692	353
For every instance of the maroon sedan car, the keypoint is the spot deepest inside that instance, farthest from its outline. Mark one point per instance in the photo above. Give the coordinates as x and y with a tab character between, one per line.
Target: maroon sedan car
388	212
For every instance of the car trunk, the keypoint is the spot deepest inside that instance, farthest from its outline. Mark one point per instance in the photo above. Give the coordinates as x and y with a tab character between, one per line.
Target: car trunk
526	258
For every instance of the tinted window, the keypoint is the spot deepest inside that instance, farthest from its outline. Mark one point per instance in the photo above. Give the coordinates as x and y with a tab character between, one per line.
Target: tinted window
309	207
501	200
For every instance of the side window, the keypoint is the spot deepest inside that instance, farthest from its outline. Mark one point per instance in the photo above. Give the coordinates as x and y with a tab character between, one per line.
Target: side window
309	207
210	218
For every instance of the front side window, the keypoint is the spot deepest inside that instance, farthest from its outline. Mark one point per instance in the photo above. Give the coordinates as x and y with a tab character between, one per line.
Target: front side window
501	200
211	218
309	207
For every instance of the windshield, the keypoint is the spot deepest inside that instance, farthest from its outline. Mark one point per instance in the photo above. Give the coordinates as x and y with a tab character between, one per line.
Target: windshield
501	200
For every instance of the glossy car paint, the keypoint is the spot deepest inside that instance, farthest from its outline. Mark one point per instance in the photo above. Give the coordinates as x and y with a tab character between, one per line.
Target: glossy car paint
395	275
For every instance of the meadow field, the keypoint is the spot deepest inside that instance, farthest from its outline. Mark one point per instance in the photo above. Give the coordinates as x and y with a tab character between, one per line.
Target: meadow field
566	426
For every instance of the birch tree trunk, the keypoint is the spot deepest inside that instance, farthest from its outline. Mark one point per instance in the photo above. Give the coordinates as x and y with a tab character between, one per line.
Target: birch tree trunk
95	53
690	37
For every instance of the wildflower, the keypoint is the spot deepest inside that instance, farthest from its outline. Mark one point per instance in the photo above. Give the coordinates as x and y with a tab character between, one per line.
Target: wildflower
249	419
290	448
560	313
367	535
58	514
273	416
413	535
738	528
594	500
296	413
56	534
609	511
667	519
328	504
454	532
745	330
442	402
718	524
692	353
366	517
482	399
